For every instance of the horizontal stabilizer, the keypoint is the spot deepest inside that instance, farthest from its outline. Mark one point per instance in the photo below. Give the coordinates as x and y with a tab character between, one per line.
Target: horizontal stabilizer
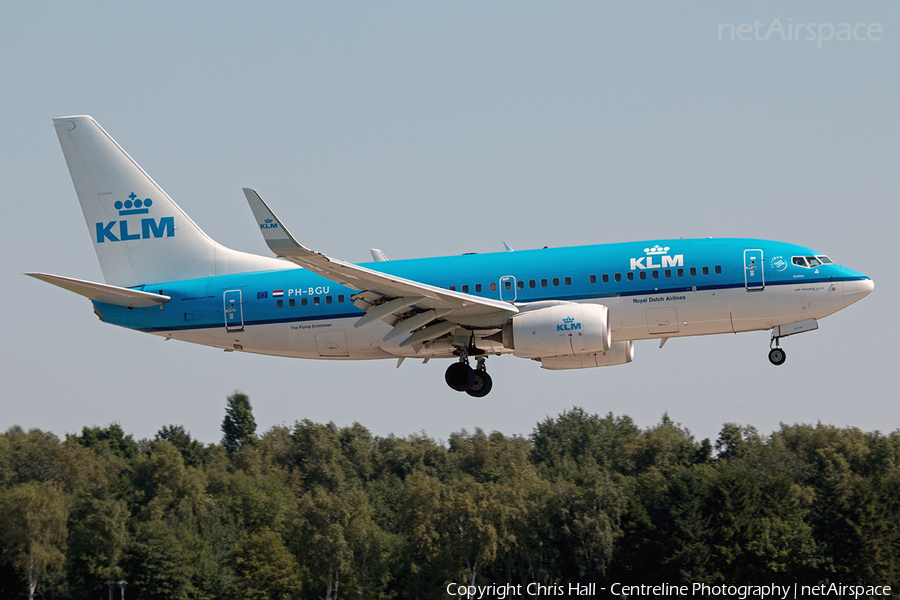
102	292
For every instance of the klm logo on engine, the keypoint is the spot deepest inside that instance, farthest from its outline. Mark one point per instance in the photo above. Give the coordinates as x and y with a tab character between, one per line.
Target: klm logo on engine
118	231
568	324
660	253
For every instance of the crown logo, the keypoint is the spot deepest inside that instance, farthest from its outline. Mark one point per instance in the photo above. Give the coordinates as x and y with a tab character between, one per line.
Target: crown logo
568	320
656	250
268	220
133	206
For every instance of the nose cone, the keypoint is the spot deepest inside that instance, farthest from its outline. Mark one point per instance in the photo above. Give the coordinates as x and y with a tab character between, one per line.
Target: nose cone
856	290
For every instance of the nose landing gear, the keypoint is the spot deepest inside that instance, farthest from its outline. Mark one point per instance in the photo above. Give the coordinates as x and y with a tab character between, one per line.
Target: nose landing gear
777	356
463	378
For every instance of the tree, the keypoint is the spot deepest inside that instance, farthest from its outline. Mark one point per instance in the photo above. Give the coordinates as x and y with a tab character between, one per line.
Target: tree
34	529
577	437
166	564
264	569
239	426
98	538
195	454
322	533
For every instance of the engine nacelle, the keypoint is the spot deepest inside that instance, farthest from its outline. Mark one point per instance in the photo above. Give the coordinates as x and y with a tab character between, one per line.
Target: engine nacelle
618	354
562	330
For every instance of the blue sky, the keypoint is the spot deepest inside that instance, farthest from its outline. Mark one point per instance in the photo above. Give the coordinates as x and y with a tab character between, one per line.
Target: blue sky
440	128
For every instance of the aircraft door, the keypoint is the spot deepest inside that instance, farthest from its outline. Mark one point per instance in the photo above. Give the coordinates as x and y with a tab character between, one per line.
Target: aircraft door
508	290
754	274
234	312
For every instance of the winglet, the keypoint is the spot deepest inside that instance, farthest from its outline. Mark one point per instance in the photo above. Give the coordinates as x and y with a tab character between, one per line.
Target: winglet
508	247
277	237
378	255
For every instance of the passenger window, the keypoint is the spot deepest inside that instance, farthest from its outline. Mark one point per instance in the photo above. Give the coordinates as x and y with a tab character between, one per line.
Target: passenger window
340	299
617	277
532	283
315	300
555	281
680	272
667	273
477	287
593	279
706	270
328	299
643	275
629	275
605	278
543	283
693	271
718	270
507	284
465	288
654	274
520	284
279	303
304	301
452	288
493	286
292	302
568	281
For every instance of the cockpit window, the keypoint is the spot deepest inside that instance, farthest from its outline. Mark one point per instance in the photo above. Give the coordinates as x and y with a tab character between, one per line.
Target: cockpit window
811	262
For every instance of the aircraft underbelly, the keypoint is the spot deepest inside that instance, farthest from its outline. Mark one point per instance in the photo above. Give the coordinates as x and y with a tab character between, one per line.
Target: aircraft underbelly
702	313
336	339
752	310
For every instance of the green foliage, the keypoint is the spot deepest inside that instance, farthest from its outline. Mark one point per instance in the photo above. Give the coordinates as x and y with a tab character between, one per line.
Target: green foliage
194	453
111	437
577	438
239	426
321	511
264	569
98	540
34	530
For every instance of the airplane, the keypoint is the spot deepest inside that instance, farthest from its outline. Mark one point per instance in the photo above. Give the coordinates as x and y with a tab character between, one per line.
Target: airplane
566	308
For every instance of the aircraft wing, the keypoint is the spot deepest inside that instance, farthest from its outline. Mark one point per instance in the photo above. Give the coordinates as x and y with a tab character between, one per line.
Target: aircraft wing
397	293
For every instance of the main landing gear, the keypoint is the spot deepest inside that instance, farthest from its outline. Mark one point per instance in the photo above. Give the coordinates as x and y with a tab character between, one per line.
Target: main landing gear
463	378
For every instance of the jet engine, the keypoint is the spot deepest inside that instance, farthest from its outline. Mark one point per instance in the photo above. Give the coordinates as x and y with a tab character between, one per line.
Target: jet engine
618	354
564	329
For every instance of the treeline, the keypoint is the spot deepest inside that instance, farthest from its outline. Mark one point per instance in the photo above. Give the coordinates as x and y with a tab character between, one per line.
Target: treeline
320	511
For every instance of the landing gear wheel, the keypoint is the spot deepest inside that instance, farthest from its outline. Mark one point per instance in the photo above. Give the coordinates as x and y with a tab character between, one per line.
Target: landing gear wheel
459	376
481	386
777	356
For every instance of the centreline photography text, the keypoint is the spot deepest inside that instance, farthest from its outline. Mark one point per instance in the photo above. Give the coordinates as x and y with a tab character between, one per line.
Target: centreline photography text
495	591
